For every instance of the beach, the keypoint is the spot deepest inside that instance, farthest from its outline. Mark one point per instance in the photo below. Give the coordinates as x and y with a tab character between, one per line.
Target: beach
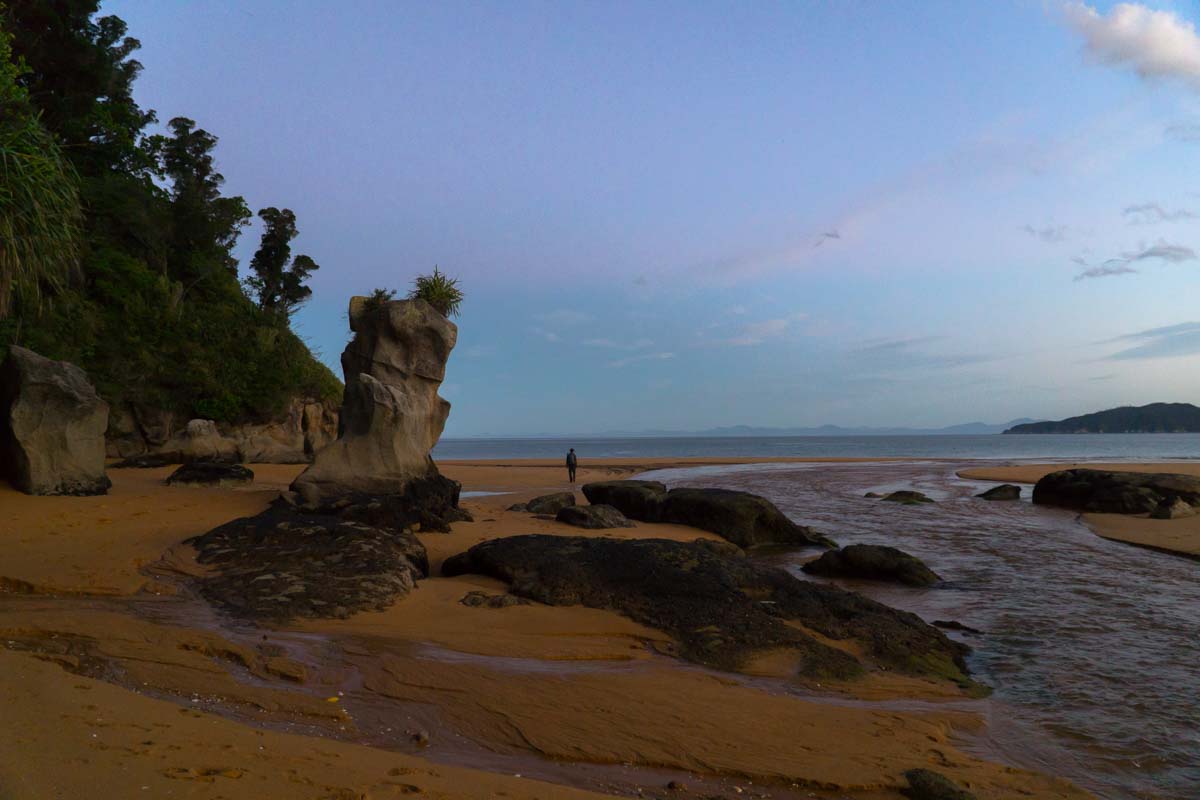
110	669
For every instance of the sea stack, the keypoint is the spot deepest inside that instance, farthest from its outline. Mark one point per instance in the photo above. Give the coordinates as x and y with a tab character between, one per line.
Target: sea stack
392	415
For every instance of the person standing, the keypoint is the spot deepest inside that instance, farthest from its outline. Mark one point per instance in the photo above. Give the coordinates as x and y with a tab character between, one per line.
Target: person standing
572	462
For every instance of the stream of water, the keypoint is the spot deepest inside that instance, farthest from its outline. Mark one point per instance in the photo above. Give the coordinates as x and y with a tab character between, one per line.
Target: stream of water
1092	646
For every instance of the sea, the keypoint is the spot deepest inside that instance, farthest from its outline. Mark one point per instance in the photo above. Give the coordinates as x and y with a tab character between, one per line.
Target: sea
1092	647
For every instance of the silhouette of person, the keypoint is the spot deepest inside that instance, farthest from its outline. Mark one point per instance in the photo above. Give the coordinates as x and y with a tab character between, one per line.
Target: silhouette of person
572	462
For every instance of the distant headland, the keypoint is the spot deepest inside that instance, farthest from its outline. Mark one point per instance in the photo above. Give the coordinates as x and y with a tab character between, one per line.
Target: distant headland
1153	418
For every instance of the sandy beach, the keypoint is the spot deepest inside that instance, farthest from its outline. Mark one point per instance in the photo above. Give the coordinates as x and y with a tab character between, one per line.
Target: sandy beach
1181	536
116	685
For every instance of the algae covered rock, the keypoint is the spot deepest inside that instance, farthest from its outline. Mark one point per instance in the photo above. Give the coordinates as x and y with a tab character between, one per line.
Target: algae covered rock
640	500
595	517
210	473
873	562
547	503
1108	492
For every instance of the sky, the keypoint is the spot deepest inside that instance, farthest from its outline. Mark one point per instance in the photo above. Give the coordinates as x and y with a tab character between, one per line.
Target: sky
683	215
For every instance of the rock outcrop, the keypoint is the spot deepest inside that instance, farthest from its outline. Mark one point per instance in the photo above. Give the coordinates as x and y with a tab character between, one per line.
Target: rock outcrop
873	562
392	415
1005	491
52	426
740	517
720	607
907	497
1104	492
593	517
210	473
1172	508
546	504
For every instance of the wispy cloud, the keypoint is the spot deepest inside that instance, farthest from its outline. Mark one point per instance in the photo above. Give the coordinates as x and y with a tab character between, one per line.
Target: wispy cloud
1183	132
1166	342
1155	44
624	362
759	332
1149	213
1163	251
911	353
1050	233
612	344
826	236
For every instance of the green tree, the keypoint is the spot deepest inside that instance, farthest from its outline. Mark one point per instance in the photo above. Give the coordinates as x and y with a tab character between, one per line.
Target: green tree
39	198
279	287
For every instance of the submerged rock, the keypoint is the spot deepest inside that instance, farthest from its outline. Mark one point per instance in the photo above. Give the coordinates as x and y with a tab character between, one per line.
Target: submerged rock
392	415
1005	491
873	562
925	784
907	497
953	625
1105	492
52	426
595	517
210	473
721	608
283	564
743	518
1172	508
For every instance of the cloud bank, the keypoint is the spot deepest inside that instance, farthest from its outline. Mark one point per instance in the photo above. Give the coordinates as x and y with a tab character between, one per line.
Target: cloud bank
1166	342
1155	44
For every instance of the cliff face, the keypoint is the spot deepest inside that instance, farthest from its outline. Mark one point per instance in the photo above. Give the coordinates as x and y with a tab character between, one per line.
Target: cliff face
392	415
1153	418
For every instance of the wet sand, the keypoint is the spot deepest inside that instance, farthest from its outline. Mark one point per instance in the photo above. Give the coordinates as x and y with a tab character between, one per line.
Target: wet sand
1181	536
112	680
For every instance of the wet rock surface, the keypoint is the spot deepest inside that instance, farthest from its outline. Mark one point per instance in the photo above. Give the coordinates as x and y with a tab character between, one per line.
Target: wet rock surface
546	504
1005	491
720	607
740	517
873	562
284	564
426	505
907	497
210	473
925	784
1104	492
594	517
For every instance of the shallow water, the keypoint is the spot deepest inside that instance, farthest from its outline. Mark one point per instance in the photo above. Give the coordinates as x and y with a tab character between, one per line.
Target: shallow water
1093	646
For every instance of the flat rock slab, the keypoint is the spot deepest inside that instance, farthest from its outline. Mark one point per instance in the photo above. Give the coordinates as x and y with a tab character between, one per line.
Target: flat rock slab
873	562
281	564
1104	492
595	517
1005	491
908	497
720	607
740	517
210	473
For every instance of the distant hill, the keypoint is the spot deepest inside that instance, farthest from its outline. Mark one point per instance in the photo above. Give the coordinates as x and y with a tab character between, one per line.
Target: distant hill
965	429
1154	418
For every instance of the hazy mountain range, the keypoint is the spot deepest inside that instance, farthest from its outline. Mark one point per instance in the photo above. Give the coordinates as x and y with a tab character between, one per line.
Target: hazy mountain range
966	429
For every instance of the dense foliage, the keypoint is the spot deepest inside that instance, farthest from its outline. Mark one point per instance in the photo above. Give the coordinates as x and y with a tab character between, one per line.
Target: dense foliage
279	287
157	314
439	291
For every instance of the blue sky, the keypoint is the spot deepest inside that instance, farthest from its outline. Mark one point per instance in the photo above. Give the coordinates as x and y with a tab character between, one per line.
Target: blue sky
685	215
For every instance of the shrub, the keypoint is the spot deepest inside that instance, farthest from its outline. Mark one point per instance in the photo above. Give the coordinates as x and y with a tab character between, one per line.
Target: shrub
439	291
378	297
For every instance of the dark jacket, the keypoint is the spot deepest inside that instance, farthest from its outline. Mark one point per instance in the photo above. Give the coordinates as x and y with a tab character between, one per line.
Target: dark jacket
571	460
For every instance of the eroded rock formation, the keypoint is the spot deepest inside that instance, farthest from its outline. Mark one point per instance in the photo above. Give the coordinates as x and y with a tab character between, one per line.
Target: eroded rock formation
1104	492
392	415
52	426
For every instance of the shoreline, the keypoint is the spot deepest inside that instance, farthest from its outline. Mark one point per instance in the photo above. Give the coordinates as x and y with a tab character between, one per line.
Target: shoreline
108	665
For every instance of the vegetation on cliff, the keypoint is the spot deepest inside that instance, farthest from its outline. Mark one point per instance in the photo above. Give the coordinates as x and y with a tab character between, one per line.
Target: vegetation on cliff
1153	418
154	310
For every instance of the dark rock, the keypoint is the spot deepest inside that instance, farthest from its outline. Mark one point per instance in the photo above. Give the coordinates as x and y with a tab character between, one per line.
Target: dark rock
420	738
1172	508
426	504
1005	491
210	473
743	518
873	562
479	599
907	497
1104	492
518	507
52	426
594	517
720	608
550	503
640	500
951	625
925	784
148	461
873	495
283	564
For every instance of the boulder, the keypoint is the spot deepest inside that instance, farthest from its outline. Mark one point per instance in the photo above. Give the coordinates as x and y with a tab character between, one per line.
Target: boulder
550	503
925	784
392	415
201	440
1105	492
743	518
721	609
907	497
1172	508
640	500
283	564
873	562
425	504
210	473
52	426
1005	491
594	517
